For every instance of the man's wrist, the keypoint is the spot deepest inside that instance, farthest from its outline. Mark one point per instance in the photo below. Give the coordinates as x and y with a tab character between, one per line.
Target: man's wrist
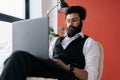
71	69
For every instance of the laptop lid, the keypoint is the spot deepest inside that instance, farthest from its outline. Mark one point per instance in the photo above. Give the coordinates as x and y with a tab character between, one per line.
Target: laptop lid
32	36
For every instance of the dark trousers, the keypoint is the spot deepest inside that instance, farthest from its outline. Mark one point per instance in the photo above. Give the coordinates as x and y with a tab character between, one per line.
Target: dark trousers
21	65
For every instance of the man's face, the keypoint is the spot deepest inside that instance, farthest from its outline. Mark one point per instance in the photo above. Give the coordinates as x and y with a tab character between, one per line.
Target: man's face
74	24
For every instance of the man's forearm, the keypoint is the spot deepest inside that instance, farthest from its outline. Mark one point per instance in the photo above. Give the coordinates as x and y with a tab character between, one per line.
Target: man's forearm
80	73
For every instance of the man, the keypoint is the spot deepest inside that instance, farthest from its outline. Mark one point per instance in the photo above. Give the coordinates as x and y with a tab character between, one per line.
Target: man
75	56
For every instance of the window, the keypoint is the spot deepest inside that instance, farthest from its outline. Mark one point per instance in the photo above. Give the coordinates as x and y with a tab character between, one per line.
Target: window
14	8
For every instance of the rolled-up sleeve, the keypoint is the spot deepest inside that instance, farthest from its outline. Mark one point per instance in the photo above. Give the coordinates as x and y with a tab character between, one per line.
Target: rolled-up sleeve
92	55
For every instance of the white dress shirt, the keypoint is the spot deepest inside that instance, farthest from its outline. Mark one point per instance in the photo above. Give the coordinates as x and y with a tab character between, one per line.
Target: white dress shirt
90	50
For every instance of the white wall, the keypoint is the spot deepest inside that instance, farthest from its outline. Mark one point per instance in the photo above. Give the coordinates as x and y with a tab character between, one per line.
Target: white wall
53	14
39	8
35	8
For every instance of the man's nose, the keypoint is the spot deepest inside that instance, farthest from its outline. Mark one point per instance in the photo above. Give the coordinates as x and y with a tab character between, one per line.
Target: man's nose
71	23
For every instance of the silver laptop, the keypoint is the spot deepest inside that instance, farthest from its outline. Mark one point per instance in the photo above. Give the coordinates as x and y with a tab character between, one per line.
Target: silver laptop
31	35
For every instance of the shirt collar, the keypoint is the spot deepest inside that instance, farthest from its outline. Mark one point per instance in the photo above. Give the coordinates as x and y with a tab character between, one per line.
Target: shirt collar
81	34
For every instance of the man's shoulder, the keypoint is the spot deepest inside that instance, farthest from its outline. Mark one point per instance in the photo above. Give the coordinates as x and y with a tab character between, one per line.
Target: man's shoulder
90	41
88	38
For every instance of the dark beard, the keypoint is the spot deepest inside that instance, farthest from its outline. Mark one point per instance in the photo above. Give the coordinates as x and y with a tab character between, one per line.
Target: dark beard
72	30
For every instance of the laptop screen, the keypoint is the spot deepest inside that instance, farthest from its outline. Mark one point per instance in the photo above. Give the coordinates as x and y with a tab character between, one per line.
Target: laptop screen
31	36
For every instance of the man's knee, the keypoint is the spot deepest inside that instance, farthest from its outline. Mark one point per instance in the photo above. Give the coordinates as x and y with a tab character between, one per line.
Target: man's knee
17	55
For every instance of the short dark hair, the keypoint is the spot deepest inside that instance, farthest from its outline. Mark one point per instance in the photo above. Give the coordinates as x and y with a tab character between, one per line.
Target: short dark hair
77	9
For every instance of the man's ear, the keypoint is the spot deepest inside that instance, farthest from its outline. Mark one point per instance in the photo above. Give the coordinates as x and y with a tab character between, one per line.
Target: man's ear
82	21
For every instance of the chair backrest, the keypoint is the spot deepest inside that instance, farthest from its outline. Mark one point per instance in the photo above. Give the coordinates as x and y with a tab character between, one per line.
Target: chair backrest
101	63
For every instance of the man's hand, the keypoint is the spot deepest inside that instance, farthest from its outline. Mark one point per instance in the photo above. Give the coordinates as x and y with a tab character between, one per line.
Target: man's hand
79	73
62	64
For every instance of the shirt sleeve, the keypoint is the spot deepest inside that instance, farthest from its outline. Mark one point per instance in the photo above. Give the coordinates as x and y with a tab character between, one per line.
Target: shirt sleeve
51	47
92	55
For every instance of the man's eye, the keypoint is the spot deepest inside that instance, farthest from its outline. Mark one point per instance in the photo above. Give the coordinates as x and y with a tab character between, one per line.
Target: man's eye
74	20
68	21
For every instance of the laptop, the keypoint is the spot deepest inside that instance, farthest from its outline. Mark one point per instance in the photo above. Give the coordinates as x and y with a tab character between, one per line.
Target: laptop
32	36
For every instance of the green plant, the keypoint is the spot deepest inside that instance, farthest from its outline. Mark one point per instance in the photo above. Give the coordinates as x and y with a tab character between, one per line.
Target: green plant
52	34
62	30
